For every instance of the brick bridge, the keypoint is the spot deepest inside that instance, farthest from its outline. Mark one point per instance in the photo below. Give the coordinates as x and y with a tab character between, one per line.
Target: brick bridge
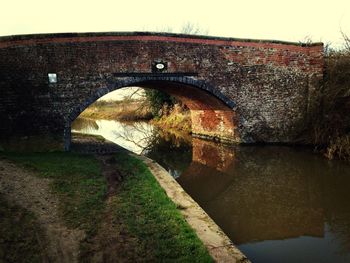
237	90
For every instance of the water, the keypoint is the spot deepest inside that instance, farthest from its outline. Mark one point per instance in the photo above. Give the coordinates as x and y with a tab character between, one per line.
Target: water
134	136
277	204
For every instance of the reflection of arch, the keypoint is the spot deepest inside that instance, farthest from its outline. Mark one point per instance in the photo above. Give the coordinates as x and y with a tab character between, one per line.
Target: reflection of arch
263	195
209	173
205	97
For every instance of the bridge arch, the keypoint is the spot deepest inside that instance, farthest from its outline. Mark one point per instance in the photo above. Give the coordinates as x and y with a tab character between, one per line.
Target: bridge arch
213	114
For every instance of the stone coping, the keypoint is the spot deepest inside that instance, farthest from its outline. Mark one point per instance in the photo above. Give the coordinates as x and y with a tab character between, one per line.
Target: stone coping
47	36
219	246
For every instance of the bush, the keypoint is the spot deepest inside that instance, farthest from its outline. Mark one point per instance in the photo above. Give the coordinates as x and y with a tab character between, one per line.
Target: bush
157	99
331	126
339	148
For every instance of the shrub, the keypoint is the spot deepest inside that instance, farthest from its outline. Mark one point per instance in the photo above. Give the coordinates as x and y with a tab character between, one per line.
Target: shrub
157	99
331	126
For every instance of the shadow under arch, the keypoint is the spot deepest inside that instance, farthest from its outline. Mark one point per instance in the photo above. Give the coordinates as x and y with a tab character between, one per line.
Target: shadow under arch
204	101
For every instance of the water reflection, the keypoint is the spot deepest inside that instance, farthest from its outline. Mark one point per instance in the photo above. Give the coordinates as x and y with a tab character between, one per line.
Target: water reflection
171	151
278	204
85	125
134	136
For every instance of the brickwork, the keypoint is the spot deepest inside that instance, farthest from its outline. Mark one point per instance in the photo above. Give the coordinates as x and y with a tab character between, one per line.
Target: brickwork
240	90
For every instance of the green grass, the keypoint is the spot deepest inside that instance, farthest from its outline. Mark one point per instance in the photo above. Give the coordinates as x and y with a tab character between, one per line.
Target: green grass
77	181
152	217
141	206
17	242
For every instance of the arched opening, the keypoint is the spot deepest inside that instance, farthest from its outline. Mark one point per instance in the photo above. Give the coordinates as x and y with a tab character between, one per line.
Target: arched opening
213	115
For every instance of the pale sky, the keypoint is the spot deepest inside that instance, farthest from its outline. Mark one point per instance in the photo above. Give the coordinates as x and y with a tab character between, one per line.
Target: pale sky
121	94
290	20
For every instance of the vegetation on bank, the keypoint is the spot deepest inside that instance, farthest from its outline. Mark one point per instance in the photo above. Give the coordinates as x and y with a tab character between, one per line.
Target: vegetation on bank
162	109
175	118
331	125
126	110
140	214
157	100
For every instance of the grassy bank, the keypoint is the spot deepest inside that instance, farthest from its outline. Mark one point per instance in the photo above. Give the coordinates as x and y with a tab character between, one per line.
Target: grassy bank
126	110
21	238
76	180
140	218
173	119
150	215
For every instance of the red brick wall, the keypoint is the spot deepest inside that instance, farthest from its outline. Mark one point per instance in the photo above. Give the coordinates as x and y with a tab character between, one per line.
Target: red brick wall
257	90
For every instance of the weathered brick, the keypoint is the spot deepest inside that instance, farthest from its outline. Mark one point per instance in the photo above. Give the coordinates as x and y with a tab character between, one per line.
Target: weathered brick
240	90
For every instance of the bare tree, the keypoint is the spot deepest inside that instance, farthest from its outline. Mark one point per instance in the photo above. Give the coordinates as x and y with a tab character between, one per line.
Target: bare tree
306	40
346	41
137	92
193	29
137	133
187	28
166	29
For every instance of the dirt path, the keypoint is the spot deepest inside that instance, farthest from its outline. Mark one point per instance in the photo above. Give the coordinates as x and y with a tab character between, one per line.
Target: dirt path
112	243
26	190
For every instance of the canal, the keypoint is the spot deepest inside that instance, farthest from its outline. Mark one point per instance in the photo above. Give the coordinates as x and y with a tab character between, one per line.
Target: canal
276	203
